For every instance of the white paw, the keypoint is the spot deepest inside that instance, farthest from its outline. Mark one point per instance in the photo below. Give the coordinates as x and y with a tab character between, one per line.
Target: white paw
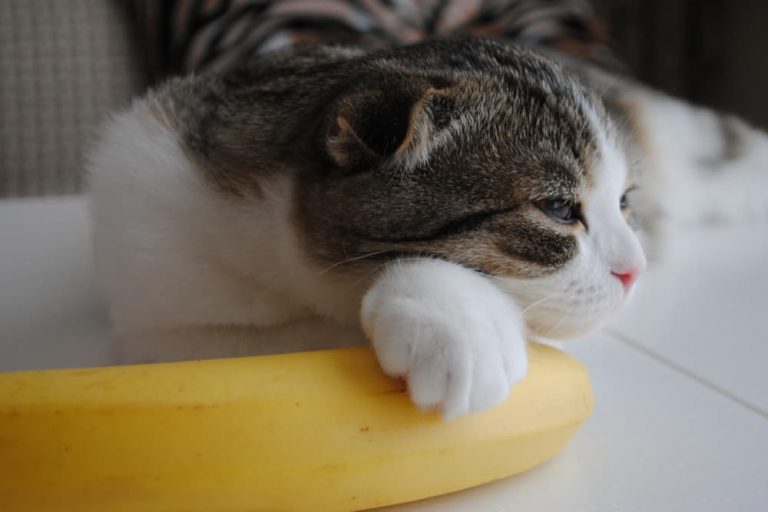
449	331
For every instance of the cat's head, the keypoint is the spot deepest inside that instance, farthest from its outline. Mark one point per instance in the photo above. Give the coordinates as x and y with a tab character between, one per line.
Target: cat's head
487	156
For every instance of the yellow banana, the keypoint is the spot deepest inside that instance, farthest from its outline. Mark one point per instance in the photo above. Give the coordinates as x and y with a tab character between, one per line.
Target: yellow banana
308	431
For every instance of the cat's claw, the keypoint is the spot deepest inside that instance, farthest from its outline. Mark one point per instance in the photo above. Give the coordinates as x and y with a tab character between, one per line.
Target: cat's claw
457	340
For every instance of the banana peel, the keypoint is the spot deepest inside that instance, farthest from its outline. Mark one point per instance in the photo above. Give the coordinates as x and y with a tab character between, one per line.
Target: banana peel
310	431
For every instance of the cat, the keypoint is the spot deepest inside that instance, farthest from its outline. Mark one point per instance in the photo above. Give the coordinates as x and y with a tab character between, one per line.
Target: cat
444	201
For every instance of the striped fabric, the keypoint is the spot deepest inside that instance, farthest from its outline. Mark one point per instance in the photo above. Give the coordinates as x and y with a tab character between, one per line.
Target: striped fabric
65	64
191	35
63	67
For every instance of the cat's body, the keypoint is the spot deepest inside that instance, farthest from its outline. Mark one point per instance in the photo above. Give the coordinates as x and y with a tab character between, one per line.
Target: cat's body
443	201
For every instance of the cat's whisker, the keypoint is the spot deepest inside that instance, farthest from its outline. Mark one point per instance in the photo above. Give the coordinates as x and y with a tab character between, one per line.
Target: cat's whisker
538	302
368	273
565	315
416	257
350	260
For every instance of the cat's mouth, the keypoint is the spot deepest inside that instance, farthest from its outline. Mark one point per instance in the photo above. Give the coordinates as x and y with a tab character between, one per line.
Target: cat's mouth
570	310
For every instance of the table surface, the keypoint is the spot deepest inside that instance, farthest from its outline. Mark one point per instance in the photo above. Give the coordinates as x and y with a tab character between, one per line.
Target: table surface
680	377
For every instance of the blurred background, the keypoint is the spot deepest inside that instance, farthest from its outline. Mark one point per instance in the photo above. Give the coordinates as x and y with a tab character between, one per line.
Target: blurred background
66	64
712	52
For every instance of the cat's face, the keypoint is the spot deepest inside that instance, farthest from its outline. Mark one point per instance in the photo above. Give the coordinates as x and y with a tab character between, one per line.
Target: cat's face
514	172
599	277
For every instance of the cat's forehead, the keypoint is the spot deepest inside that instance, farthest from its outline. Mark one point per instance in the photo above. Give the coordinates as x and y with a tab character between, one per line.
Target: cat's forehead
540	140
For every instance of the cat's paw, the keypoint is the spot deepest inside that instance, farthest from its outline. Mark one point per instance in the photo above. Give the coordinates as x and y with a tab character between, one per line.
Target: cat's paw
449	331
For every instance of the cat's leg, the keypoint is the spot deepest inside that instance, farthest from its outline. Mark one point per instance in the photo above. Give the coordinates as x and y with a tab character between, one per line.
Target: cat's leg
455	337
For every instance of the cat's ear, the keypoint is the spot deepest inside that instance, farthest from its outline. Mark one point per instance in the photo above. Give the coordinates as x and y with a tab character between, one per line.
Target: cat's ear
386	122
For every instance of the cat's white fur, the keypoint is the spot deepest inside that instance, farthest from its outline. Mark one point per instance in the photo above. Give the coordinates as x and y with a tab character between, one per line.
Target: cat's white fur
451	332
191	274
175	256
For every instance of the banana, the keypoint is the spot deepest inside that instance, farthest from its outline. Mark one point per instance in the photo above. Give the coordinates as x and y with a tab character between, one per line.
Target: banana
310	431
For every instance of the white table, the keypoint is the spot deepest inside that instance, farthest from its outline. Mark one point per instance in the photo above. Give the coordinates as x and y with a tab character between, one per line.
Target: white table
681	378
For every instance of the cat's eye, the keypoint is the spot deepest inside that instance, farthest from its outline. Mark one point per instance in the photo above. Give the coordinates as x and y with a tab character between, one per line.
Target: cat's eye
624	200
561	210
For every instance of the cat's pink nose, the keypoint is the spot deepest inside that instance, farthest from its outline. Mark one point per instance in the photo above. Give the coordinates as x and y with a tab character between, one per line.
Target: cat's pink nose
626	278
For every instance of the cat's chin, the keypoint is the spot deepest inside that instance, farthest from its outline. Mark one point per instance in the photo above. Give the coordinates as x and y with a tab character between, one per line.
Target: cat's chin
569	319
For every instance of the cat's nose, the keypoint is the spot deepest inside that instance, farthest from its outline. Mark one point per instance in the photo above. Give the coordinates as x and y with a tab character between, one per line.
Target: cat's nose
626	278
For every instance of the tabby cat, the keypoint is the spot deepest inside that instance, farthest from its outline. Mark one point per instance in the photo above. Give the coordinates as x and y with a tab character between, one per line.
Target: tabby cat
444	201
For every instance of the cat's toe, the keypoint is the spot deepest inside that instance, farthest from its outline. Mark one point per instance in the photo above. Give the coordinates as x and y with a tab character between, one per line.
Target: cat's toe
477	379
490	386
428	384
514	356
